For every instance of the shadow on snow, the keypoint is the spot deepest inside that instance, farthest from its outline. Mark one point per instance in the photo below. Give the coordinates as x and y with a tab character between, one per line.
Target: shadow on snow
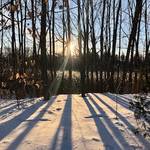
30	125
123	119
65	127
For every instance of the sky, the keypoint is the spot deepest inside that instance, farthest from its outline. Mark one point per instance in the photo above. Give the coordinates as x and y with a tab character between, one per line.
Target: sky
73	6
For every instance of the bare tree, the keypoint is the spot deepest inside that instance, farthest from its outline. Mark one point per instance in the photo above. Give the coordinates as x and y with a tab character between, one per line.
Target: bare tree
13	43
43	51
102	45
81	65
114	44
138	11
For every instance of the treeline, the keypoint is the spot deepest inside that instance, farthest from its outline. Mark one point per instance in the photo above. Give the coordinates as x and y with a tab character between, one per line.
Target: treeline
111	41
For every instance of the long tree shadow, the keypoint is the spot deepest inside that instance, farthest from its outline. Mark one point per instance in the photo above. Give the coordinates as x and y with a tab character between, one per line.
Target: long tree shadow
5	106
124	97
119	100
9	109
107	138
117	133
30	125
123	119
10	125
65	127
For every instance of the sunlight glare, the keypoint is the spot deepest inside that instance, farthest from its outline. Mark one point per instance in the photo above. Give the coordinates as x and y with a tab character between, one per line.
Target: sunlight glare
71	48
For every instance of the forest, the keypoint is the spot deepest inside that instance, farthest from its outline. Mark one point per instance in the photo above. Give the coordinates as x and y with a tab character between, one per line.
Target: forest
75	46
74	74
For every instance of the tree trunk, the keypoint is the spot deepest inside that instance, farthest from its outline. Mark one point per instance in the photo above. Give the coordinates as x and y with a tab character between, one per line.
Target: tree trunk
14	58
43	52
138	11
102	46
33	29
69	42
114	47
81	66
53	35
147	43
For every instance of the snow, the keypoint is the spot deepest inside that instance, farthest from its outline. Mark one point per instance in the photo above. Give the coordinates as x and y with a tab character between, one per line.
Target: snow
70	122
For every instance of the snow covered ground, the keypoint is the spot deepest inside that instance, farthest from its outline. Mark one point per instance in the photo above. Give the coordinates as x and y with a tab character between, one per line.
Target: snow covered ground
70	122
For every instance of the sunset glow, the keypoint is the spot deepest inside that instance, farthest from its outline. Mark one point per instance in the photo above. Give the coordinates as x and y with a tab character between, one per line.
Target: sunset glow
71	48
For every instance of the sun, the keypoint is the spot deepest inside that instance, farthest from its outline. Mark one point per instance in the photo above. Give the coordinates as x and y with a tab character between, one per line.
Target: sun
71	48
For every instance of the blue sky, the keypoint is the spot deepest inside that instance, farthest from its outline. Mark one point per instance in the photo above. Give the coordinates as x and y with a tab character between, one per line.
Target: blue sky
97	8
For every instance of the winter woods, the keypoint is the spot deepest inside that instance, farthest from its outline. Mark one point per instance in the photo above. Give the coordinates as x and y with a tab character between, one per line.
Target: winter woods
82	45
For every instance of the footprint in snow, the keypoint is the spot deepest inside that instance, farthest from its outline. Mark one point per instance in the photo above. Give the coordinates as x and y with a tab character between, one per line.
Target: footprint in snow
96	139
50	112
58	101
5	142
58	109
119	124
136	147
28	142
10	112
